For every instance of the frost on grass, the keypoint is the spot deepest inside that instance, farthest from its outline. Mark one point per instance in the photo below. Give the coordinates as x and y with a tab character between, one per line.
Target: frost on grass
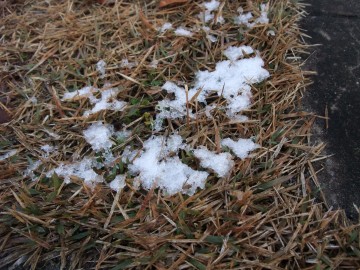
231	79
100	67
248	18
82	169
241	148
159	166
181	31
221	163
98	135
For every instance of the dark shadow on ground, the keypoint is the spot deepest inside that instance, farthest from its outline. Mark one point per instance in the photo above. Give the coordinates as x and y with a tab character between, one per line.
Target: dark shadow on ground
335	24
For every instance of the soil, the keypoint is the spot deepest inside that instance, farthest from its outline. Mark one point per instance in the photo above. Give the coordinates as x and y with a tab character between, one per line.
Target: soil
335	25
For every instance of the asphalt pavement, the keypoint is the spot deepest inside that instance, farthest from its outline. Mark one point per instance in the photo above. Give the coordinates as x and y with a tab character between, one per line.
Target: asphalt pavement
335	24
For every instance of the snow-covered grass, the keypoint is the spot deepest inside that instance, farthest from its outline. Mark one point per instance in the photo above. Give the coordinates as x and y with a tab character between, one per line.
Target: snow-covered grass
93	184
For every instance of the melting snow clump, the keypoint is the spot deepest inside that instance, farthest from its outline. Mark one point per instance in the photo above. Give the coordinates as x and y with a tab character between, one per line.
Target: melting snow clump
100	67
181	31
8	154
159	166
82	169
118	183
107	101
86	92
244	18
207	15
126	64
166	26
241	148
221	163
98	135
231	79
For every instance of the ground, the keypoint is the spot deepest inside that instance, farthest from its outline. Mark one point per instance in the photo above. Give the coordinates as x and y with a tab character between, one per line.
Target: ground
264	210
334	26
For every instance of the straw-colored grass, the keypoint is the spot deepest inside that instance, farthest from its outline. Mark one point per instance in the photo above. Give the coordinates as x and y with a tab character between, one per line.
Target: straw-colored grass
265	216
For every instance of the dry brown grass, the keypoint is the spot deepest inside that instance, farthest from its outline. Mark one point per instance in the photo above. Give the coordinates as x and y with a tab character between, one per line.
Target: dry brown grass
265	216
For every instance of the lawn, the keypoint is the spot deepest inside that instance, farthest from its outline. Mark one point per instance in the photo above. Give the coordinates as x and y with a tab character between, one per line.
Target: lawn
161	135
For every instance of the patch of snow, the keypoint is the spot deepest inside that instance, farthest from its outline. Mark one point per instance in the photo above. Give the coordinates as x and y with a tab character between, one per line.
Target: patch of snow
118	183
241	148
211	38
106	102
271	33
212	5
100	67
85	92
230	79
166	26
123	134
234	53
82	169
47	149
33	167
128	155
8	154
159	166
221	163
244	18
98	136
126	64
154	64
264	10
181	31
33	100
207	15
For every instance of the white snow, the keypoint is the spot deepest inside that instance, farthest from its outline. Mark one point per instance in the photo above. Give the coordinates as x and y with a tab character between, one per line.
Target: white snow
154	64
241	148
221	163
118	183
128	155
33	167
86	92
234	53
8	154
100	67
207	15
263	19
181	31
230	79
159	166
48	149
211	38
212	5
98	136
126	64
107	101
244	18
166	26
82	169
271	33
